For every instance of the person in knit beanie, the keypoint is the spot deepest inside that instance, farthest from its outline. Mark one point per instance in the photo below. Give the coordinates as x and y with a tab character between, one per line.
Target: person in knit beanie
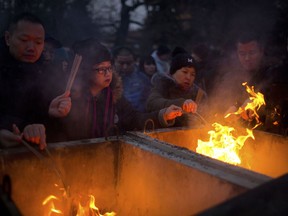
182	60
183	69
178	87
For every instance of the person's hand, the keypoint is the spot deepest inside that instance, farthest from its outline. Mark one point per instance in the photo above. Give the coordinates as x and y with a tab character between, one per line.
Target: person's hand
9	138
172	112
234	114
35	133
189	106
231	114
247	114
60	106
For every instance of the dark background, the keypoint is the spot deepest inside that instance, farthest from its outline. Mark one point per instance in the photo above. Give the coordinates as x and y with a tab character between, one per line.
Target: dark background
179	22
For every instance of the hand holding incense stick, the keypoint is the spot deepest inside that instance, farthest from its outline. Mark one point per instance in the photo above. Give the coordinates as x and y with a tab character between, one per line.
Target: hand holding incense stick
74	70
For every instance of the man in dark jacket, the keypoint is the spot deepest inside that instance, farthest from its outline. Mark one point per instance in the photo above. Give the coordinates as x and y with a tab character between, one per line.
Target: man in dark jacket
21	104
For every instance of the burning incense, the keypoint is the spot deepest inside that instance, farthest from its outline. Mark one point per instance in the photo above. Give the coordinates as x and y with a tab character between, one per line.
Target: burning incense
74	69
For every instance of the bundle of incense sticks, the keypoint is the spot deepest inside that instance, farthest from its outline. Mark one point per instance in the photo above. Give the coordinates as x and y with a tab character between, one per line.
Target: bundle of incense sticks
74	69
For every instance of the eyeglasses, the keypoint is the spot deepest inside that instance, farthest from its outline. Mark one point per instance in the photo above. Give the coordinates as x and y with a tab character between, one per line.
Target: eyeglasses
103	70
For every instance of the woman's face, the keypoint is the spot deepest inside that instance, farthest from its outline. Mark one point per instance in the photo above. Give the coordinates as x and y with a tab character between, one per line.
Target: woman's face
101	76
185	77
150	68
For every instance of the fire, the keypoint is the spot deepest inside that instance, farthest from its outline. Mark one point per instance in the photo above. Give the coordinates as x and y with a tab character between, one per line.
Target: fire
50	202
256	100
89	209
223	143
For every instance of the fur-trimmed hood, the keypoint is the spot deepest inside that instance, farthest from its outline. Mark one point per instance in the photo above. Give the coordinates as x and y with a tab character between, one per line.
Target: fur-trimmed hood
81	87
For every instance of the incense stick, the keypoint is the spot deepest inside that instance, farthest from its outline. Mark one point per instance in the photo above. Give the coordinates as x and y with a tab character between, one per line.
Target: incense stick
52	165
74	69
201	117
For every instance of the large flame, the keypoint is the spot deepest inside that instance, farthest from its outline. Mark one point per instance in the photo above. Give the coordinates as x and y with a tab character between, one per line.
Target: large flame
223	143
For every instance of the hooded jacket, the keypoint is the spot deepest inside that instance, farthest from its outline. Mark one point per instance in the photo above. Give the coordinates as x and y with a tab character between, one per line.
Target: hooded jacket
167	92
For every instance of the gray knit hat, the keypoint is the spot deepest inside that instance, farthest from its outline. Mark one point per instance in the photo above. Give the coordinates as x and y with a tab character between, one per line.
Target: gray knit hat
182	60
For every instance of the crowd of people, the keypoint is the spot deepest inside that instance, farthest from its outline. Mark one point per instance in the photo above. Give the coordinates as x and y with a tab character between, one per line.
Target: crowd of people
115	88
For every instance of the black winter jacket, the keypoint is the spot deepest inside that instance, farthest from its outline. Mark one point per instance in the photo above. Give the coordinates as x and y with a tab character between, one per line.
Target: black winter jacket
21	100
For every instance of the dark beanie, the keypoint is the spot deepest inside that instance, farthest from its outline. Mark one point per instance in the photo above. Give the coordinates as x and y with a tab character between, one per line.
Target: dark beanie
181	60
92	52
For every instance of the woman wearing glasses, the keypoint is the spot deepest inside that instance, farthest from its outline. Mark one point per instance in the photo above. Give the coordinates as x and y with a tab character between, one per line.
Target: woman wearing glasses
98	104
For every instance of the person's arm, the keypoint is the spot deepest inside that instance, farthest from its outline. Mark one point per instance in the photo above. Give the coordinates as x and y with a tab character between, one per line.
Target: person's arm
34	133
157	101
130	119
9	139
167	115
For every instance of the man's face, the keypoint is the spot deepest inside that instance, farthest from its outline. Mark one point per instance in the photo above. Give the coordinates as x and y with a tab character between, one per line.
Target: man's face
26	42
124	64
250	55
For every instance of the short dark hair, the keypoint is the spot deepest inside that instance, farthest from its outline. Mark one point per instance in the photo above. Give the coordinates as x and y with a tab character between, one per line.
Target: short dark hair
26	16
148	59
123	50
249	36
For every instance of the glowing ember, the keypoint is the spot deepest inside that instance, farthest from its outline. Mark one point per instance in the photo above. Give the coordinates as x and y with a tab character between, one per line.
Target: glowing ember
223	144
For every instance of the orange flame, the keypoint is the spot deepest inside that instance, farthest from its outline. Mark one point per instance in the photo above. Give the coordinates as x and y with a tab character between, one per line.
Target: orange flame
50	202
88	210
225	146
256	100
222	145
91	209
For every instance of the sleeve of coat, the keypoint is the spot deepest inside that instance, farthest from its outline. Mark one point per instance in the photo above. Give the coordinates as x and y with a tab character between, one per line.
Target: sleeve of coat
130	119
157	101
